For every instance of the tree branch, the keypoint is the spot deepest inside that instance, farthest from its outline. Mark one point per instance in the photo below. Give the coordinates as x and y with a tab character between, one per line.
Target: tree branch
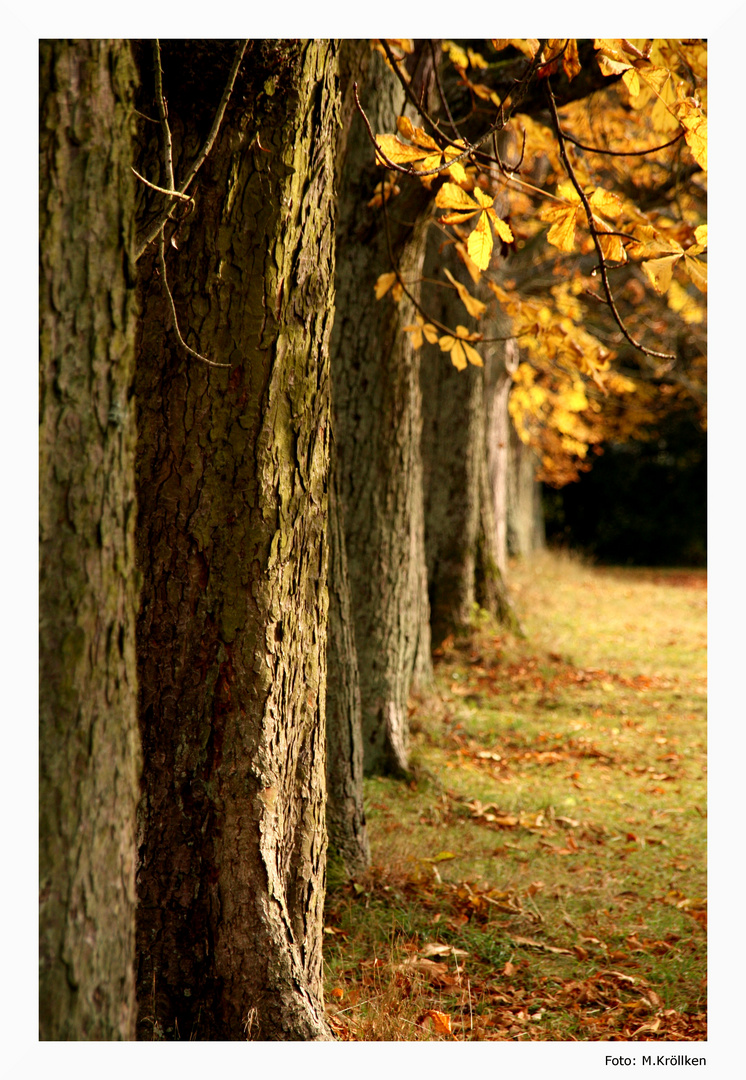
603	269
206	148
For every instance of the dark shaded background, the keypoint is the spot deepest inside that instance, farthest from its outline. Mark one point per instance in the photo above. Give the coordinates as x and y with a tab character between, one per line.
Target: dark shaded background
642	503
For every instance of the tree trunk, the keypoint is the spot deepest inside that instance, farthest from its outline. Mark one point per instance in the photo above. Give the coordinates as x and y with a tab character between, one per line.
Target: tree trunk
348	837
462	524
525	513
231	539
88	738
378	424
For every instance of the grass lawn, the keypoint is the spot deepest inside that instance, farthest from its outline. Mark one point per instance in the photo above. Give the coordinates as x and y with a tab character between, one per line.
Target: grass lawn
543	875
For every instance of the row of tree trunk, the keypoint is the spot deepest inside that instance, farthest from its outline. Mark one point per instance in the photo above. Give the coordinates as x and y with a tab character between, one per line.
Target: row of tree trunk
242	569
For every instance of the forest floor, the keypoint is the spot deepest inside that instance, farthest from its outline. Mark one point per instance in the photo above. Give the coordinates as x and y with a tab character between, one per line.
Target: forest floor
543	876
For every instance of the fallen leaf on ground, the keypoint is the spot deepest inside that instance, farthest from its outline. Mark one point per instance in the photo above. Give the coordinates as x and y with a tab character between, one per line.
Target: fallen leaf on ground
533	943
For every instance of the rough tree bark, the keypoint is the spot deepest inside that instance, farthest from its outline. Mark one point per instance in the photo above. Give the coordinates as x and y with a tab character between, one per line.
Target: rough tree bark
462	519
88	738
231	540
345	815
378	424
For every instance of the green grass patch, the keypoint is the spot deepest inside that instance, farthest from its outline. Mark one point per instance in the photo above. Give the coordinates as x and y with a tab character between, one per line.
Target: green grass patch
543	876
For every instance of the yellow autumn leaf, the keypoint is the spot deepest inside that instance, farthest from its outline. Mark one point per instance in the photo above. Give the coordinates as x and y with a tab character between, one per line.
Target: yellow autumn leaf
611	246
574	400
564	421
502	228
472	355
697	271
660	271
453	197
396	151
384	191
606	202
460	349
655	77
649	243
528	46
684	305
474	272
415	135
384	283
562	232
571	60
694	122
479	244
463	206
476	59
456	54
451	345
422	330
631	80
475	307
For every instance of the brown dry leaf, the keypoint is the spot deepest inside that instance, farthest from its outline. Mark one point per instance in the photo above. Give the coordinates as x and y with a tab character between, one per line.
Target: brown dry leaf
434	948
426	967
509	969
651	1027
441	1021
533	943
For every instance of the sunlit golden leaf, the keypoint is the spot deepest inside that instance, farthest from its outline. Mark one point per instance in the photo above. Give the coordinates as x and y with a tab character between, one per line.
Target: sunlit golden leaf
479	244
606	203
396	151
440	1020
475	307
694	123
384	283
655	77
570	59
453	197
476	59
660	271
502	228
697	271
474	272
472	355
562	232
631	80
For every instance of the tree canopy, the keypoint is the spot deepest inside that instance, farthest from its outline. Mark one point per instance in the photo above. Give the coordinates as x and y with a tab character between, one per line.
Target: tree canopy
571	176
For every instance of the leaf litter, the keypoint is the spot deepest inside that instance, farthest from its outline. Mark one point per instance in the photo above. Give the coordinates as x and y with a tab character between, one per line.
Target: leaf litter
543	877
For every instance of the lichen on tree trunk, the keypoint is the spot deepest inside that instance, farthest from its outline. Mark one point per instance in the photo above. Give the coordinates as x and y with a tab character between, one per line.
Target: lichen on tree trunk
232	481
88	739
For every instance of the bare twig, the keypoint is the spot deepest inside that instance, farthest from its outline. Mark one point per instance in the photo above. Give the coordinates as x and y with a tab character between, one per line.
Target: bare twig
516	96
622	153
602	267
162	261
163	191
168	160
206	148
218	116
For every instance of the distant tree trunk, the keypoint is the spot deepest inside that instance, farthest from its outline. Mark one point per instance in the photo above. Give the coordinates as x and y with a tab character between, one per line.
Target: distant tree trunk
232	543
378	425
462	518
348	837
525	513
499	427
88	739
